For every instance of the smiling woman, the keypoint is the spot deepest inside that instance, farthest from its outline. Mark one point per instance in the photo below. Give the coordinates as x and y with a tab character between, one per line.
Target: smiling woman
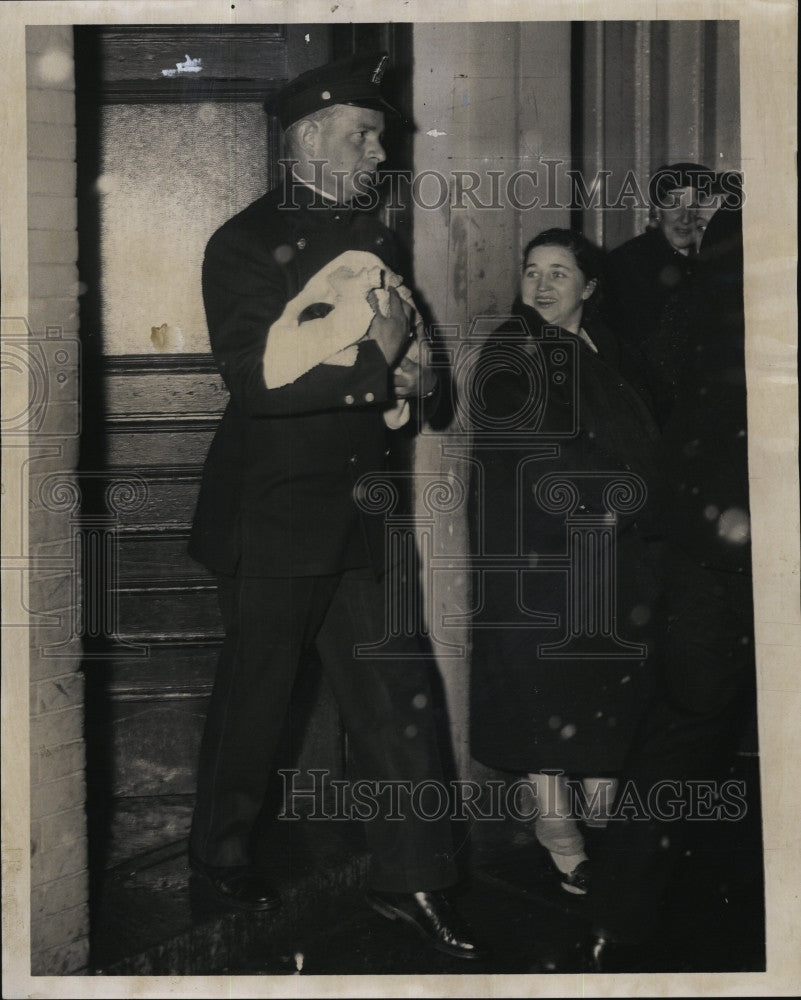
554	283
558	691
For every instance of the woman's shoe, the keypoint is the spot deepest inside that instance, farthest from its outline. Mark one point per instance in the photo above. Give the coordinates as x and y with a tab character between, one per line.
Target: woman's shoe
577	881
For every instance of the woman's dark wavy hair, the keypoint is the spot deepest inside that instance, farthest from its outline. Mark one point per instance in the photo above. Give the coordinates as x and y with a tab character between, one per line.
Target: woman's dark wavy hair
590	259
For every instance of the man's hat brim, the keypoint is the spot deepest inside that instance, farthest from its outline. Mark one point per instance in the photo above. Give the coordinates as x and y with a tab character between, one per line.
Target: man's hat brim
674	176
354	81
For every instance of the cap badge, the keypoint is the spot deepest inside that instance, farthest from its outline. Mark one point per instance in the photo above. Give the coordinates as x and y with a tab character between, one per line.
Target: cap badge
326	95
378	72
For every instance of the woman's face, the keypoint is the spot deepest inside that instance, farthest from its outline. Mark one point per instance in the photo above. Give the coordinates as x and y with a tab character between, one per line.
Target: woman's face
555	286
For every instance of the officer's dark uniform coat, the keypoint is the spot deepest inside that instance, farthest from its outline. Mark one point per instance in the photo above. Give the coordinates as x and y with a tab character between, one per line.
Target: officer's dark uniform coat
276	495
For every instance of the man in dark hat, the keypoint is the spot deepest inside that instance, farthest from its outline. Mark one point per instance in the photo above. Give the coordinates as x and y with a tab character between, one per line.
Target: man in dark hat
674	780
313	331
646	273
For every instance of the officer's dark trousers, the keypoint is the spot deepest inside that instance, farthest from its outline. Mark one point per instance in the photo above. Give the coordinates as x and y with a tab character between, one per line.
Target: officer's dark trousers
689	733
385	705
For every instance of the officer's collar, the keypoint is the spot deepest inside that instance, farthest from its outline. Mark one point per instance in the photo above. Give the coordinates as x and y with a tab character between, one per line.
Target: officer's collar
317	194
303	195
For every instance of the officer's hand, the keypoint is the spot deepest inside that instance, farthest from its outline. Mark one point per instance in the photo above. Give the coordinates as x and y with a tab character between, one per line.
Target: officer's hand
412	376
390	332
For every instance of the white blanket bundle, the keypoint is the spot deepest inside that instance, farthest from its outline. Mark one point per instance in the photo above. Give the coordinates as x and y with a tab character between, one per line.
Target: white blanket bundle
294	348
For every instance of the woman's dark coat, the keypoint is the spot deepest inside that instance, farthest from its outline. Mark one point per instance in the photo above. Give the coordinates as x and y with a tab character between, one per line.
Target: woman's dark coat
530	710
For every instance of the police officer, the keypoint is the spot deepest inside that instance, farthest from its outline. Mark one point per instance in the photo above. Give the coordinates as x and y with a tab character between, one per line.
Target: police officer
310	324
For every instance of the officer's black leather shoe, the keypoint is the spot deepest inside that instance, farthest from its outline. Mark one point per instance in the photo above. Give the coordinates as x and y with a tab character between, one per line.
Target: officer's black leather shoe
433	917
243	888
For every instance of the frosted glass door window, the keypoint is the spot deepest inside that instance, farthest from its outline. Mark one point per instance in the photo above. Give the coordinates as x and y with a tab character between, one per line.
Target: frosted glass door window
170	175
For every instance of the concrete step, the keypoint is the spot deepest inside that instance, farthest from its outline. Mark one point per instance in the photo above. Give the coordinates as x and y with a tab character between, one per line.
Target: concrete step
154	917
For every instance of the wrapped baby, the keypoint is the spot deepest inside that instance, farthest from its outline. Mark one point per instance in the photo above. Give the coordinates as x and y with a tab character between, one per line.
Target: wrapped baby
325	321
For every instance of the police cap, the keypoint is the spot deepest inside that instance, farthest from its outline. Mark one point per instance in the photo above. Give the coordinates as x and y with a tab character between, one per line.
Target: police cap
356	81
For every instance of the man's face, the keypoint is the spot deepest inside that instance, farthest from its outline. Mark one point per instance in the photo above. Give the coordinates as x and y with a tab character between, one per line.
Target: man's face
349	144
679	218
